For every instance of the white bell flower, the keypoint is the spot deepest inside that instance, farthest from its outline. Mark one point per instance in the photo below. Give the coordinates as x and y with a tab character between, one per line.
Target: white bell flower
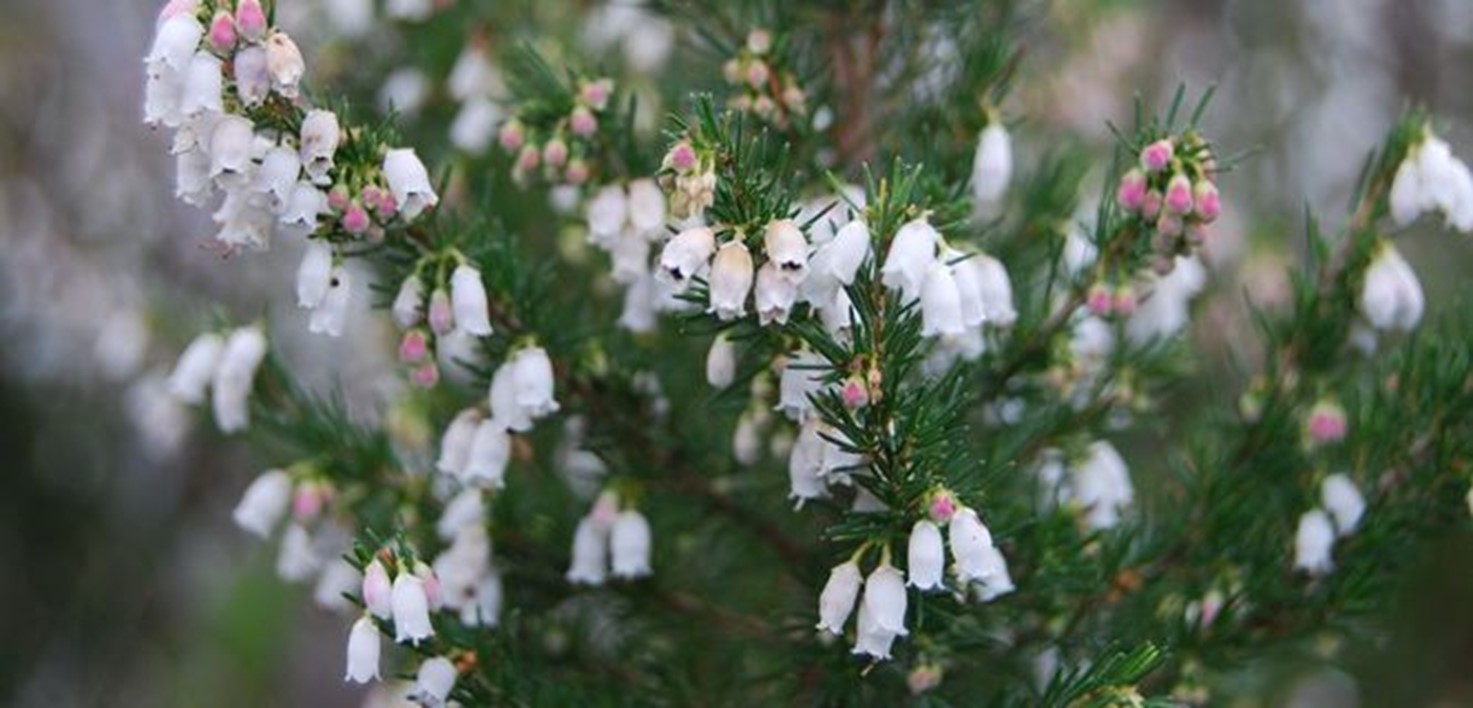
731	280
264	503
912	252
926	556
629	542
196	367
363	651
836	602
1343	500
468	300
1313	542
409	182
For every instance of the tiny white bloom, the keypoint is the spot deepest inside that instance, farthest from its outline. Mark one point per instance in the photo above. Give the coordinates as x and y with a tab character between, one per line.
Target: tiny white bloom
339	578
319	143
629	541
490	452
277	175
411	609
1101	485
175	42
264	503
941	305
847	251
746	440
912	252
468	300
467	509
997	290
191	376
1313	542
992	167
836	602
970	540
314	275
408	308
474	125
871	638
162	94
885	598
252	76
332	312
721	362
534	382
234	374
926	556
455	445
377	590
646	208
1406	191
409	182
285	64
784	245
203	86
433	683
590	553
731	280
298	558
1391	297
774	294
230	149
1343	500
806	464
996	582
802	376
363	651
606	212
687	255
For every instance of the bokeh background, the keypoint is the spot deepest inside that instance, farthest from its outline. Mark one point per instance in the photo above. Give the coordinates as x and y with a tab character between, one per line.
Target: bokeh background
124	581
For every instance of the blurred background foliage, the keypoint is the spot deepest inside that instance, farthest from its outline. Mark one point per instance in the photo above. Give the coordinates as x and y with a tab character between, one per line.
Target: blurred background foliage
126	584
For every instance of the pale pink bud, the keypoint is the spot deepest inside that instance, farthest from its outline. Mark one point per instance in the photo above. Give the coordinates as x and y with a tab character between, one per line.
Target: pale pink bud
529	158
222	33
414	347
1131	194
596	94
426	375
1156	156
582	122
855	393
757	74
555	153
309	499
1206	200
1125	300
943	506
759	41
377	589
431	581
442	317
682	157
250	19
1099	300
337	198
577	172
1179	195
512	135
1326	423
355	219
923	678
1151	207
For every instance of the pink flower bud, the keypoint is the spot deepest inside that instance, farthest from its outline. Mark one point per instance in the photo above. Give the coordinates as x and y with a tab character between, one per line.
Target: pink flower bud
308	501
682	157
1131	194
529	158
377	589
923	678
1099	300
426	376
596	94
413	347
355	219
577	172
555	153
1206	200
1156	156
1169	224
582	122
381	201
337	198
943	506
250	19
757	74
1326	423
442	318
433	594
1151	208
511	135
1125	301
605	509
855	392
1179	195
222	33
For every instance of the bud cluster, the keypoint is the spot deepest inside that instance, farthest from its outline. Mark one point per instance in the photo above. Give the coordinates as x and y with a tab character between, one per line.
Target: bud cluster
688	175
456	305
1171	193
560	151
765	87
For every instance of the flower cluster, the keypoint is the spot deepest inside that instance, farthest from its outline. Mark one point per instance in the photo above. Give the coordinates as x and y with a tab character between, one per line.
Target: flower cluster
476	448
625	221
475	82
230	85
1340	511
224	366
958	292
563	149
976	564
689	176
767	90
1098	485
1430	178
1173	193
608	537
407	601
457	308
